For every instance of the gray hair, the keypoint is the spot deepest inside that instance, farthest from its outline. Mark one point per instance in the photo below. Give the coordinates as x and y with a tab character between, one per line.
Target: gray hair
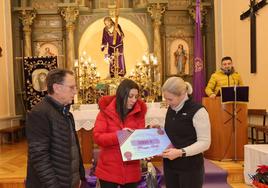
177	86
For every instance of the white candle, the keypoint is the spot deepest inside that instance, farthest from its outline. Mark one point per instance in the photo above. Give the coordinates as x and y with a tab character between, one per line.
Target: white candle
76	63
76	99
155	61
89	59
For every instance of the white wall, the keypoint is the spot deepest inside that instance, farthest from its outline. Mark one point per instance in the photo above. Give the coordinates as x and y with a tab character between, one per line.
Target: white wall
233	39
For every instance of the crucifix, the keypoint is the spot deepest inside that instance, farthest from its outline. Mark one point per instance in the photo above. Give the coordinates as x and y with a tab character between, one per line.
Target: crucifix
251	12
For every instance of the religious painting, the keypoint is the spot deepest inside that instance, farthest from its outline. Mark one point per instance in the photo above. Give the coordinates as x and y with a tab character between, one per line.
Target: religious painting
48	49
178	58
35	73
39	79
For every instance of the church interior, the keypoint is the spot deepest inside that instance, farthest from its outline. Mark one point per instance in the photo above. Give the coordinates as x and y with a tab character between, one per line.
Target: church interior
38	36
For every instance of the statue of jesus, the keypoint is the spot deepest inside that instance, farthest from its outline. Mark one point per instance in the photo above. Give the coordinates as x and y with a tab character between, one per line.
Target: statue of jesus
107	41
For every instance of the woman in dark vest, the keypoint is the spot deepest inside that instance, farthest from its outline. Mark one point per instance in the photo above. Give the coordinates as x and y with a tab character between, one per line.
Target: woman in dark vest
188	127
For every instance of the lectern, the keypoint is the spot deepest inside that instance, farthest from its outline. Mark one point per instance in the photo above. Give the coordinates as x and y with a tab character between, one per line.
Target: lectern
222	119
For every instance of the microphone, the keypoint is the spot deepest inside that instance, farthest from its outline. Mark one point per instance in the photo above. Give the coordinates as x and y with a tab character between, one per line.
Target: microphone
228	72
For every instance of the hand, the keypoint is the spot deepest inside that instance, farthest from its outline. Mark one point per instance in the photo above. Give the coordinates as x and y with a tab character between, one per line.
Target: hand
172	153
102	48
212	96
128	129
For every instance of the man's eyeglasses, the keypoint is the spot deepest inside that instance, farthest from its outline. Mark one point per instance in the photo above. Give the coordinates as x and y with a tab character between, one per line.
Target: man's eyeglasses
71	87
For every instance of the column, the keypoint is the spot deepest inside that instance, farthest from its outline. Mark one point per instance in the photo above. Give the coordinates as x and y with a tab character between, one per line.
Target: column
156	10
27	17
70	14
8	113
203	9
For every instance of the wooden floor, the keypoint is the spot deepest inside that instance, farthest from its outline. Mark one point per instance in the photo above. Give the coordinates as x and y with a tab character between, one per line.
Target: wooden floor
13	159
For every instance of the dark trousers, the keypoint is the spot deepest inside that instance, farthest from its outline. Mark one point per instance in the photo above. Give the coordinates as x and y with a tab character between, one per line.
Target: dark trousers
106	184
184	179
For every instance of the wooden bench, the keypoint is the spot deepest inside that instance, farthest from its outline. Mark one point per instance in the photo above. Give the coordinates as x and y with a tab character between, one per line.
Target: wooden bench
12	132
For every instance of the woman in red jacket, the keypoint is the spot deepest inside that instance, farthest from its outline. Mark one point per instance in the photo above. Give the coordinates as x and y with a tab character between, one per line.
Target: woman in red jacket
121	112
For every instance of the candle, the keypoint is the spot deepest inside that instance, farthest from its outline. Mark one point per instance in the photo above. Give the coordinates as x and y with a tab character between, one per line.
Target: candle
145	59
151	56
93	65
89	59
76	64
98	76
132	73
76	99
154	61
81	59
85	64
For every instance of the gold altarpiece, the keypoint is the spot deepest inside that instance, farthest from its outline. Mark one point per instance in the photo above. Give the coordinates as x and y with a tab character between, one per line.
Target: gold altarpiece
67	28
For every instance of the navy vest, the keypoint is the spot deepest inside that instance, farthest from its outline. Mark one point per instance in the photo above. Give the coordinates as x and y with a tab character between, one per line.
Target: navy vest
181	132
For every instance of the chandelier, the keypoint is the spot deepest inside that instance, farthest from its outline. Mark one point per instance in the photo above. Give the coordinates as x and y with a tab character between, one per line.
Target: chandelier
91	87
147	76
87	78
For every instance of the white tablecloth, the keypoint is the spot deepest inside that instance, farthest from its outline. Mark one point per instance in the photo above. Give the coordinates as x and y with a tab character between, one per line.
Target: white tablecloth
254	155
86	115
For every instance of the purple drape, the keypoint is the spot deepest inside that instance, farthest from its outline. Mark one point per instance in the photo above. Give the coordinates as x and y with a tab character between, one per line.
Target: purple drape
198	75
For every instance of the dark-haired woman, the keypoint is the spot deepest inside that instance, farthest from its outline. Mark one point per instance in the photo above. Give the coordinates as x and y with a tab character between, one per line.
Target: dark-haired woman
121	112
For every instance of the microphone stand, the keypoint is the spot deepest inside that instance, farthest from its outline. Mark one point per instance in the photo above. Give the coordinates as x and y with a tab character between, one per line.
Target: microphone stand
228	73
234	123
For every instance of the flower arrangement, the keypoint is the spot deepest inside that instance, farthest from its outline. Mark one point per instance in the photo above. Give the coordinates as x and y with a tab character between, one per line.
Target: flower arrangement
260	179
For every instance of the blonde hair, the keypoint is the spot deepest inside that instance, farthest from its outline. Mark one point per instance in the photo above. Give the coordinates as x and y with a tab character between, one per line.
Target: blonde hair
177	86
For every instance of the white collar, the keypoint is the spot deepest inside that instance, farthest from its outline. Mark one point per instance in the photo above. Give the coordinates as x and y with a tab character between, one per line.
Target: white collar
179	107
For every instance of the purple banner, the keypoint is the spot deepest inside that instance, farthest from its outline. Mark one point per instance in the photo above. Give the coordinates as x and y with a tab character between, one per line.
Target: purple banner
199	74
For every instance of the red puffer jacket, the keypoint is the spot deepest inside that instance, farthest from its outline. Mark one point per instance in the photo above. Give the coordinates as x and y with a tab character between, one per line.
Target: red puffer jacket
110	166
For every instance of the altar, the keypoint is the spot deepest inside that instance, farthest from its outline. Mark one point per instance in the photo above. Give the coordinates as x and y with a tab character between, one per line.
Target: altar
85	117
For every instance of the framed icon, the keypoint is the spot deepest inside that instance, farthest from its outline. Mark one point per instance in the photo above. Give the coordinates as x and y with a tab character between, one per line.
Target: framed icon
35	72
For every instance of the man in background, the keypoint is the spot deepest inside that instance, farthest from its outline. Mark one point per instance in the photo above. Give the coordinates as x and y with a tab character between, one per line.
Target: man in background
224	77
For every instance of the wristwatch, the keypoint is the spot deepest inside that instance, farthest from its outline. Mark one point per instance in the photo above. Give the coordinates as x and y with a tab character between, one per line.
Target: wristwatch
183	153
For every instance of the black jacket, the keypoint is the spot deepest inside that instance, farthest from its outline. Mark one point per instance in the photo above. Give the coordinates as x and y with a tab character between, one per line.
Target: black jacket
49	146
